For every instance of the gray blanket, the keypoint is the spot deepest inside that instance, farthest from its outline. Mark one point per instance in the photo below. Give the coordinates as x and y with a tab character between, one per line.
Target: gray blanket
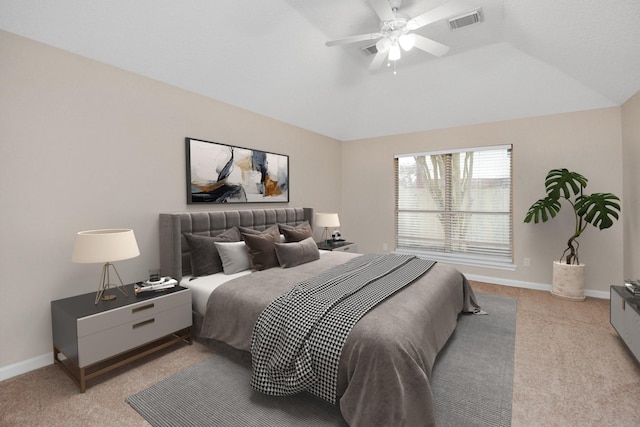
298	338
385	366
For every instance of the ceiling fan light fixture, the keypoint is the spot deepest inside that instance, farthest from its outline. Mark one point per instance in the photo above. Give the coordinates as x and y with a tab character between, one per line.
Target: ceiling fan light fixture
394	52
412	25
383	44
407	41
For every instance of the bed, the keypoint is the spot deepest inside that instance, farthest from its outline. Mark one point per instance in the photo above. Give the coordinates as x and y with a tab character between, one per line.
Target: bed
384	370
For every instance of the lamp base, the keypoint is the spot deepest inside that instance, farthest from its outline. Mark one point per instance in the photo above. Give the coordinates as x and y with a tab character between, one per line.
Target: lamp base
325	236
105	284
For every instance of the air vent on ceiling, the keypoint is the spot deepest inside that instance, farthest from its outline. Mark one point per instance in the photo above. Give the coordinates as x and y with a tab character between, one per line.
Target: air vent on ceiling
370	50
466	19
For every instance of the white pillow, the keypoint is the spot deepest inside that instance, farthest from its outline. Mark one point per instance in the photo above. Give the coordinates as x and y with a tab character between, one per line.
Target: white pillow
234	256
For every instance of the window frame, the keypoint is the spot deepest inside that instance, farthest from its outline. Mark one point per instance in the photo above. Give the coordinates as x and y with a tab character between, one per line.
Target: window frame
479	260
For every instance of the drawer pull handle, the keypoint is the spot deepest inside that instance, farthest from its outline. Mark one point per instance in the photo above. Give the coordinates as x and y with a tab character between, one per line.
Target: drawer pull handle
144	307
146	322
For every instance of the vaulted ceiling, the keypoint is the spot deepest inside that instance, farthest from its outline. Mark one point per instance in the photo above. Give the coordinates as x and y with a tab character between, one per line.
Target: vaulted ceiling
527	58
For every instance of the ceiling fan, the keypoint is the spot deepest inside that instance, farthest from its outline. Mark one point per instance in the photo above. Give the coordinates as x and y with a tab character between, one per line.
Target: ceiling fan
396	30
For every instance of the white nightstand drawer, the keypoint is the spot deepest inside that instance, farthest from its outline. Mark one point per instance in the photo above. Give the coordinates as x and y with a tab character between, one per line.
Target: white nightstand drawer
348	248
625	317
131	313
106	343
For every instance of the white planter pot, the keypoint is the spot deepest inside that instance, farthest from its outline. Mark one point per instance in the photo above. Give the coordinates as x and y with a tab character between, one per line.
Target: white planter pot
568	281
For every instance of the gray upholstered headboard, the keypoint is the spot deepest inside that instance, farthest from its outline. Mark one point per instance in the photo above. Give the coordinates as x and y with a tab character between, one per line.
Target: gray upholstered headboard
174	251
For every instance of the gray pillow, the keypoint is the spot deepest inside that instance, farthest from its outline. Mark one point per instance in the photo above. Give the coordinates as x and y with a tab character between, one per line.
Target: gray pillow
292	254
204	255
273	230
297	233
234	256
261	249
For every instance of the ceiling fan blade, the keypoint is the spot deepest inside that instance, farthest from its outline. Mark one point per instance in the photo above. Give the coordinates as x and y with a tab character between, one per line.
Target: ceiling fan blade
378	60
383	9
447	10
354	39
430	46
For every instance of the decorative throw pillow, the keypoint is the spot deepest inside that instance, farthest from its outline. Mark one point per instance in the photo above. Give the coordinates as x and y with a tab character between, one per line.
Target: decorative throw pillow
297	233
204	254
262	250
292	254
273	230
234	256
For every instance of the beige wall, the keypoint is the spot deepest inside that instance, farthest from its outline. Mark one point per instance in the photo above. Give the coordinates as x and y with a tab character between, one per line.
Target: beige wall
588	142
631	159
87	146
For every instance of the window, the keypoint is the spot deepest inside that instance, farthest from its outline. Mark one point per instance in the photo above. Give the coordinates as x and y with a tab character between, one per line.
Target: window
456	206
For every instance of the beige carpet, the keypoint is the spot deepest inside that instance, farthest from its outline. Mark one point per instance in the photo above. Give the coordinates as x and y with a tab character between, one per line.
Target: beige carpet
571	369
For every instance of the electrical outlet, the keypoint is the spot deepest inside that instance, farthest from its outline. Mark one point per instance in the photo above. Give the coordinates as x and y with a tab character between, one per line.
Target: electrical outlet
385	247
527	262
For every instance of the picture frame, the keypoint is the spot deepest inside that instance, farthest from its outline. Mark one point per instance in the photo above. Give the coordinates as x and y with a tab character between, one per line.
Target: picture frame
222	173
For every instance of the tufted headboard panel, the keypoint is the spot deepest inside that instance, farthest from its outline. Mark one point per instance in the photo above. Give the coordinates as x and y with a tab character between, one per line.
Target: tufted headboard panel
174	250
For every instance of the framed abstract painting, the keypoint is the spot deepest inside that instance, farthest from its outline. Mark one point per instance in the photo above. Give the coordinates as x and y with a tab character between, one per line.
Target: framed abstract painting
221	173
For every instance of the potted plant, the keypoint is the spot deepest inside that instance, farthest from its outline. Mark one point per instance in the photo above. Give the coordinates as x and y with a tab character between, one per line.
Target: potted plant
597	209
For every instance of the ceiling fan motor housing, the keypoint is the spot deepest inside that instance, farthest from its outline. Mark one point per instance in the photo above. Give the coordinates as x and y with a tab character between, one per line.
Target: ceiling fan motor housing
399	23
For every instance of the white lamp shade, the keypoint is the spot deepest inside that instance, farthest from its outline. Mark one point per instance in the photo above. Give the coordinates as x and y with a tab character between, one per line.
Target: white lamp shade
407	41
394	52
327	220
99	246
383	44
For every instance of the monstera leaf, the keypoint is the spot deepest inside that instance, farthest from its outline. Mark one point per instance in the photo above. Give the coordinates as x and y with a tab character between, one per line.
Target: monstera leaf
542	209
598	209
563	183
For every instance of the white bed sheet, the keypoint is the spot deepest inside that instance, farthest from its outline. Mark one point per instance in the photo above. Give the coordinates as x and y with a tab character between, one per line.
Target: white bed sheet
201	287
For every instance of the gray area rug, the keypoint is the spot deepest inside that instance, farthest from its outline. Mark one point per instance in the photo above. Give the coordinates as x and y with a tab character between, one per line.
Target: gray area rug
473	374
472	384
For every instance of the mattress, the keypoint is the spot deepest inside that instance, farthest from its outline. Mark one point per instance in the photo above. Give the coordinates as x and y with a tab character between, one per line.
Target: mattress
202	287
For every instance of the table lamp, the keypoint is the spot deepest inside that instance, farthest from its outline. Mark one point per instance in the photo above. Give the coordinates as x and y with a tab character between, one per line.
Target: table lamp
97	246
327	220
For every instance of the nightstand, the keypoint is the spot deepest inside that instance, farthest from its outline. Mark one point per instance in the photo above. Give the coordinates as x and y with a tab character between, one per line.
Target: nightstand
338	246
96	338
625	317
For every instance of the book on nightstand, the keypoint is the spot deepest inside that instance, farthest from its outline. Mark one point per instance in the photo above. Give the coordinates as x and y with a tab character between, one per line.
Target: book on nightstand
162	284
632	286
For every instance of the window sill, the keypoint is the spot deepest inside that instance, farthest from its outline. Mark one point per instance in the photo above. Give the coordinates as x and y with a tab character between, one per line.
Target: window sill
462	260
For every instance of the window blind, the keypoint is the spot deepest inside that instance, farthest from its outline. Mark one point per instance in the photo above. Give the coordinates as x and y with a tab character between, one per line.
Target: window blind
456	205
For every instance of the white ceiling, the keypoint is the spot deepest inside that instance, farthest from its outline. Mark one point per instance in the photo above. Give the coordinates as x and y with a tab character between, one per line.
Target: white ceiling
528	58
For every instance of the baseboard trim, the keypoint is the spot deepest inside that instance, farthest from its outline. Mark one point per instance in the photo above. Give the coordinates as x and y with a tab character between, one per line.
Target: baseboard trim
25	366
530	285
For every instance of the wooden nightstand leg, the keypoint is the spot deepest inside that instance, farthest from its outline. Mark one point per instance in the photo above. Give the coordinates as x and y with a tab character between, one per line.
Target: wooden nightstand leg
83	381
80	382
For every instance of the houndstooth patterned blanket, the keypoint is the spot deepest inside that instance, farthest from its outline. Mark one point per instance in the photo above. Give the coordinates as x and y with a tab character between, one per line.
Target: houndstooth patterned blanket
298	338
